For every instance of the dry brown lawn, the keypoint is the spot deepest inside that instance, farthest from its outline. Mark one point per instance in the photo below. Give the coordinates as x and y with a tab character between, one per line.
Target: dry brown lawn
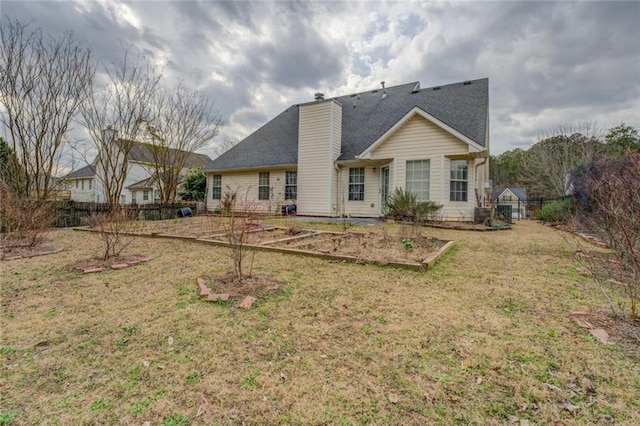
484	338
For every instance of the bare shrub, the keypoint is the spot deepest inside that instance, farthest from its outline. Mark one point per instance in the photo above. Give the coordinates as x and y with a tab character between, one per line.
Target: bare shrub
25	222
239	222
608	195
114	229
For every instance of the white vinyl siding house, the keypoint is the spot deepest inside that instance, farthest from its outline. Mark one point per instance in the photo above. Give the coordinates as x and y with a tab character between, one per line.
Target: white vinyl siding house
349	153
139	175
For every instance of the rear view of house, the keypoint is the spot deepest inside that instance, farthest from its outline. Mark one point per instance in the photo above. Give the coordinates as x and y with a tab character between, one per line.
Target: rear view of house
345	155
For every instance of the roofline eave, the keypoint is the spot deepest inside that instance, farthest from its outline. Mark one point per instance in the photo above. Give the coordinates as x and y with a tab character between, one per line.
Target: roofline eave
252	168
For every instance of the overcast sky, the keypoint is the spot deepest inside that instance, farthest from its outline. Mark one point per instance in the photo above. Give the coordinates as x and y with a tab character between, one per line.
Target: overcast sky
548	63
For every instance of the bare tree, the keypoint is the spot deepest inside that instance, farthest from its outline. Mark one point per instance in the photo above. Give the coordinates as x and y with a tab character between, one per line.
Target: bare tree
238	224
609	205
185	120
115	230
226	144
43	82
548	163
115	115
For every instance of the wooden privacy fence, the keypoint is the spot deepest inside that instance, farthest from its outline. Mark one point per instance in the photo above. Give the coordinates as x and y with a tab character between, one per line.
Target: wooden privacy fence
71	213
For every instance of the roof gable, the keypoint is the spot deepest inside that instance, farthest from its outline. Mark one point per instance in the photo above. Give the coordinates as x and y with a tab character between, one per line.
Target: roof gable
418	112
520	193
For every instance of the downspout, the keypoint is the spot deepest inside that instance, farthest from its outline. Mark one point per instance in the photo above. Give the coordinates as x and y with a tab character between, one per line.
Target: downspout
475	175
337	169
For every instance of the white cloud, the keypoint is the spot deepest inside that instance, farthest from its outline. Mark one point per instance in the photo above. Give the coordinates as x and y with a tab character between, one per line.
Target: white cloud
547	62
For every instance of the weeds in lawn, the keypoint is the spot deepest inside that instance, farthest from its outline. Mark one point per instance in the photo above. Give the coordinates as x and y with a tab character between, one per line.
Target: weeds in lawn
194	378
176	420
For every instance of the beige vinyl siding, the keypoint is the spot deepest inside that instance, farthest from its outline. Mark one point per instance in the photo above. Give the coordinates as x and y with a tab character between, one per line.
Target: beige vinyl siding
370	206
318	146
420	139
245	184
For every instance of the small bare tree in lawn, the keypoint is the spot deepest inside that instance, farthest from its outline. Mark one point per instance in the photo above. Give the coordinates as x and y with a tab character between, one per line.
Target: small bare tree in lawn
114	230
608	194
238	217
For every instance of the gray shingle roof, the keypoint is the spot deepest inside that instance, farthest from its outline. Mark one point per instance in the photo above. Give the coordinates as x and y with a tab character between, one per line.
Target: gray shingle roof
141	152
365	117
521	193
85	172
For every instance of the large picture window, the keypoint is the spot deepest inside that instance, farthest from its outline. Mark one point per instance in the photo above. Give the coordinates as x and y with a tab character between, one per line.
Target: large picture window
418	179
216	187
291	185
356	184
263	186
458	180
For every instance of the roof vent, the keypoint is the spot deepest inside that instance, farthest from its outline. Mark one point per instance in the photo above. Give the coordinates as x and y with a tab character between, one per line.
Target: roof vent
319	96
466	83
416	88
436	88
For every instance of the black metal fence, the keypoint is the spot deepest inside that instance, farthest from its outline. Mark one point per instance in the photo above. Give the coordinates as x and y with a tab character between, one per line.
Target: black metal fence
71	213
511	210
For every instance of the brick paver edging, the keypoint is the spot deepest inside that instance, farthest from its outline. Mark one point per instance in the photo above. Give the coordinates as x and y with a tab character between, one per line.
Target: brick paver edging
116	266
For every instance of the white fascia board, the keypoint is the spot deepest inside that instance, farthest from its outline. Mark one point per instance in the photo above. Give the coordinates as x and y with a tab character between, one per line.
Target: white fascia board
473	146
274	167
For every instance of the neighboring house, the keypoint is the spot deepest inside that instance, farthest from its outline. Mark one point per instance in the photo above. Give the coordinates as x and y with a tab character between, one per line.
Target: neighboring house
345	155
140	185
81	183
513	200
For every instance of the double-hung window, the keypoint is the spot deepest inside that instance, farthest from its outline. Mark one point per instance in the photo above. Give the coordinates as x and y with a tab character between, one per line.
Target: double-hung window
458	180
291	185
418	178
263	186
356	184
216	187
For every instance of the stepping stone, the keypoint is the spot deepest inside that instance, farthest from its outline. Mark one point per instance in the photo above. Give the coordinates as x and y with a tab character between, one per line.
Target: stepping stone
146	259
247	302
202	282
119	265
204	291
133	262
601	335
215	297
91	270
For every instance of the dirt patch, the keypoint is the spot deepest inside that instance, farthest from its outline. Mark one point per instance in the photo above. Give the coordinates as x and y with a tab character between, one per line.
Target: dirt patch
622	332
256	285
82	264
377	246
45	247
